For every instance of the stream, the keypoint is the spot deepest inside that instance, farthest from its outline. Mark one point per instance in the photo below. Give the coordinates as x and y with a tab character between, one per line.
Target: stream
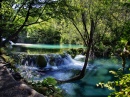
66	67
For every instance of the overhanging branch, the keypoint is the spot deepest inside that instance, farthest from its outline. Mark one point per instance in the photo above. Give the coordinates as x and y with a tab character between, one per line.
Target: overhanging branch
21	27
78	30
84	26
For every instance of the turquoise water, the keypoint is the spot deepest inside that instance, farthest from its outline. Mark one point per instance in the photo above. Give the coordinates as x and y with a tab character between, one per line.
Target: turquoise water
87	87
97	71
47	46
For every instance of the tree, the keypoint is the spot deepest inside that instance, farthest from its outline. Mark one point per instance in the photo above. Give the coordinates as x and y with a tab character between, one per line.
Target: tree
9	25
44	33
92	15
18	14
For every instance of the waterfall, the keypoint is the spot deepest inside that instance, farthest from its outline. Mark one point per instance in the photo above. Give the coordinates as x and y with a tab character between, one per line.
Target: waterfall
57	66
53	60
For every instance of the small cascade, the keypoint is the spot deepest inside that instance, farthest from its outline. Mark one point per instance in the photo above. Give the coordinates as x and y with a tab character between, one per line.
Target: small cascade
58	60
53	60
80	58
57	66
29	60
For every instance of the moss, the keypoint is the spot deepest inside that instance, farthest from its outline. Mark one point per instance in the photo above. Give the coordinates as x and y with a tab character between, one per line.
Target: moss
41	61
7	59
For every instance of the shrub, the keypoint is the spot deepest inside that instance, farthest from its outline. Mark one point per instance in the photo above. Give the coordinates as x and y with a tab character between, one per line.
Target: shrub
47	87
120	86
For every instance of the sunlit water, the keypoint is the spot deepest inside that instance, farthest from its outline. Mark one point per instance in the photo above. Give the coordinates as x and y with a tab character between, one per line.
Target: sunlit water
47	46
96	71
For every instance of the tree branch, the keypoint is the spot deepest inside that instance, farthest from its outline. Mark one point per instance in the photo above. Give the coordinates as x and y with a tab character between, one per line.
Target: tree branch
18	11
21	27
41	13
78	31
84	26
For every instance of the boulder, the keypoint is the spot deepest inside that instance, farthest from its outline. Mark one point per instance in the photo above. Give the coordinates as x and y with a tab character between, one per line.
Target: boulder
41	61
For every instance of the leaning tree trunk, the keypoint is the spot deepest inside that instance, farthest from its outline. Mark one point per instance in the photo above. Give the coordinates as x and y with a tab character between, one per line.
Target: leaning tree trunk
90	41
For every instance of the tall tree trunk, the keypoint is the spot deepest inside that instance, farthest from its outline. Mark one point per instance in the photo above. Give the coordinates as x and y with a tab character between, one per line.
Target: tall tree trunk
90	41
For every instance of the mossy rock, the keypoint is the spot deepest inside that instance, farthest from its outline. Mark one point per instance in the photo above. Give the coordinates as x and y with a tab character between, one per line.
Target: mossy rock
7	59
41	61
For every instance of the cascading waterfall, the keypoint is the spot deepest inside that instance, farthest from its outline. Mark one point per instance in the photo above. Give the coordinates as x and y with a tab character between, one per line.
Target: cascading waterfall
57	64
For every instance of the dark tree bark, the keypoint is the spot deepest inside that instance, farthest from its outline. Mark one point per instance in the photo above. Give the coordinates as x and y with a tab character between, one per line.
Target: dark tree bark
0	3
90	41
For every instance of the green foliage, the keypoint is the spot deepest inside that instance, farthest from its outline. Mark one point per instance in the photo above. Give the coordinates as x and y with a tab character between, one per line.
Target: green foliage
49	81
18	14
42	51
5	55
6	12
47	87
44	33
41	61
8	59
120	86
54	20
2	51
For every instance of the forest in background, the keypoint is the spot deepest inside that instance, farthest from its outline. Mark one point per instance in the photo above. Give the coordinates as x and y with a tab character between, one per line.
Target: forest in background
67	22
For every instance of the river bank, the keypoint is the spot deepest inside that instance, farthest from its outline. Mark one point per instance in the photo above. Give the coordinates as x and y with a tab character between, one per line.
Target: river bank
9	87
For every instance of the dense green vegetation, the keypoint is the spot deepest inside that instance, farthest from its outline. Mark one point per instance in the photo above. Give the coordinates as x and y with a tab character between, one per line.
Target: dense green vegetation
100	25
47	87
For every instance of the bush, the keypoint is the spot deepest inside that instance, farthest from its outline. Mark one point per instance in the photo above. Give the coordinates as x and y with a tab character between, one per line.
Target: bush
47	87
120	86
